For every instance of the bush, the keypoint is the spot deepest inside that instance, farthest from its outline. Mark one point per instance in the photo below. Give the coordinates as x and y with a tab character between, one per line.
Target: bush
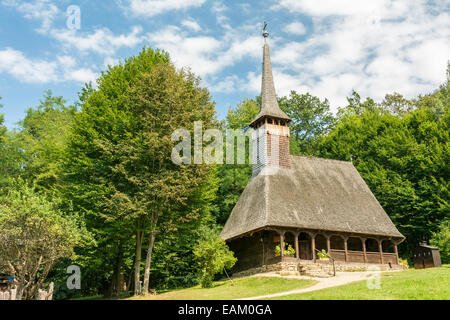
441	239
212	256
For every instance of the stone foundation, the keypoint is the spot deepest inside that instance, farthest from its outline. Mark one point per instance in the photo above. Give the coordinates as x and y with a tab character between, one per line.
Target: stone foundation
318	269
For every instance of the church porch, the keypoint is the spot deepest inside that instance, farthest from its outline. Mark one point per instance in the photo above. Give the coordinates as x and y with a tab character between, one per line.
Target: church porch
349	251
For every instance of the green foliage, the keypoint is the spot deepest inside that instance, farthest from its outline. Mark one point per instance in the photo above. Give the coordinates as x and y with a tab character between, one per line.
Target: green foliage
2	127
396	104
441	239
43	138
404	160
118	168
323	254
241	116
311	118
35	234
288	250
234	177
213	255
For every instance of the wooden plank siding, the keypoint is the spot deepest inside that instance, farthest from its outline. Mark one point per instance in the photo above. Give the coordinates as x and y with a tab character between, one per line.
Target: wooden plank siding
355	256
389	257
373	257
338	255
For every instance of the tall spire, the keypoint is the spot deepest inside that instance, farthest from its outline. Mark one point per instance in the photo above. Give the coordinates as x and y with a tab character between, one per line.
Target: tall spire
269	103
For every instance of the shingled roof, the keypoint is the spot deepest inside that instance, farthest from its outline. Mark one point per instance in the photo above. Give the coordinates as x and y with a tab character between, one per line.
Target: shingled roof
269	103
315	193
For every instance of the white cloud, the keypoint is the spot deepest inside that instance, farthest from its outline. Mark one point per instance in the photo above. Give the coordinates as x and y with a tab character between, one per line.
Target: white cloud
151	8
374	47
323	8
16	64
101	41
26	70
191	24
227	85
206	55
82	75
296	28
219	9
43	10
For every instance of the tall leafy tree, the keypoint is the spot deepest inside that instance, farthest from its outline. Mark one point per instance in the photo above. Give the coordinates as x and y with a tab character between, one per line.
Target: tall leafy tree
404	159
43	138
11	154
310	117
119	167
234	177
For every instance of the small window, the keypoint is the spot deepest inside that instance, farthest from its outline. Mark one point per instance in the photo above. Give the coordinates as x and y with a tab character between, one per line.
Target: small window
269	121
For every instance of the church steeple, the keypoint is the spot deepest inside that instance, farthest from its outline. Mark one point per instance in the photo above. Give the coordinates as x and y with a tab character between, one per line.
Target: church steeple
269	103
271	135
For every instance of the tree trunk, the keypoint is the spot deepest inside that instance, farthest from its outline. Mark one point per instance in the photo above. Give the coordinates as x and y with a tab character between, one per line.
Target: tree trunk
116	276
137	262
148	261
129	283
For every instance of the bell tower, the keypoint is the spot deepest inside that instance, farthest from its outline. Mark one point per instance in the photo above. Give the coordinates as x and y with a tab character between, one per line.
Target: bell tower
270	138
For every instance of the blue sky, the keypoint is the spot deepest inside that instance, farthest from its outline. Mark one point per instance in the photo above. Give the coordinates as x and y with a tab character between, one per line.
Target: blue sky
325	47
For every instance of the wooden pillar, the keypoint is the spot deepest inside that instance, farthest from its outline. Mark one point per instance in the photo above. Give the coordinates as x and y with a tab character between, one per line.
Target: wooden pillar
329	244
364	249
297	253
345	248
282	244
396	252
380	247
313	247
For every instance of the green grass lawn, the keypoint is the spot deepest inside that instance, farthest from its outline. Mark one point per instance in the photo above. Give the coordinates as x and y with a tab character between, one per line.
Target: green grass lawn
425	284
243	287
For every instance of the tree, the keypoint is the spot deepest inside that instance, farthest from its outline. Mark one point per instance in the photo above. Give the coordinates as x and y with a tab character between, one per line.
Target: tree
43	138
310	117
234	177
241	116
403	159
356	106
396	104
441	239
2	127
119	167
213	255
34	235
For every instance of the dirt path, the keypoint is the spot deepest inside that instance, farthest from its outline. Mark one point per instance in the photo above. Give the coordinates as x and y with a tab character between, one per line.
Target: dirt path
340	279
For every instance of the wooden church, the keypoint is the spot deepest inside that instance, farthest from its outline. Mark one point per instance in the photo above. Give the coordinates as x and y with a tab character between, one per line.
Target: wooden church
303	204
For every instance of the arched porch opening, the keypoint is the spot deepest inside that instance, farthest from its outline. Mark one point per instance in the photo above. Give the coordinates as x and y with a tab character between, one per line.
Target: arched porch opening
337	247
388	246
304	246
321	243
372	245
355	250
337	243
289	244
373	251
354	244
